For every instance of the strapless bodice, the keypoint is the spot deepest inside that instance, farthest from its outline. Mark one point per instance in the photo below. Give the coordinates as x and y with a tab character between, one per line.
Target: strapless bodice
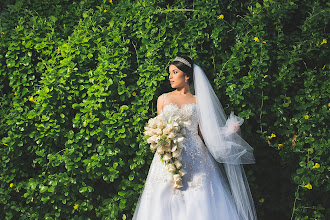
187	112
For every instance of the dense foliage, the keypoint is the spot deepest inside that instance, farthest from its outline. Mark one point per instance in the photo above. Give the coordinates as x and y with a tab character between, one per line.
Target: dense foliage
79	79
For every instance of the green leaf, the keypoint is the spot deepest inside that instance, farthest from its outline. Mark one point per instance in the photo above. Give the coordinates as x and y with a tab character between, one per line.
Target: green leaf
43	189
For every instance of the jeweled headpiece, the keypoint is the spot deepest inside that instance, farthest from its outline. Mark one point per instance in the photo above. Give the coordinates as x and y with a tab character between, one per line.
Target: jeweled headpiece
182	60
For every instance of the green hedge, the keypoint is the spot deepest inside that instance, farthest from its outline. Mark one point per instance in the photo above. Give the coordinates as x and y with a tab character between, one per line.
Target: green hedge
79	80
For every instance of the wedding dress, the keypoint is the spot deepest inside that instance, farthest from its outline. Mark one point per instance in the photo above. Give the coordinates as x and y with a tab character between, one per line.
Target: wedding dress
205	194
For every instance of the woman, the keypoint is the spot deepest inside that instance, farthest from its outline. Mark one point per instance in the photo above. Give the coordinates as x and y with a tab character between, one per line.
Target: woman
211	146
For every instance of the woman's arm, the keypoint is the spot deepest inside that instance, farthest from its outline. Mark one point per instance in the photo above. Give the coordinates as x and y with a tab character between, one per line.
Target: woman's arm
160	103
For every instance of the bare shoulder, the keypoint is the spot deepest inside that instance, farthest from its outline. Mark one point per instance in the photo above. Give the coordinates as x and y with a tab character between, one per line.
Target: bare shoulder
160	97
160	103
160	100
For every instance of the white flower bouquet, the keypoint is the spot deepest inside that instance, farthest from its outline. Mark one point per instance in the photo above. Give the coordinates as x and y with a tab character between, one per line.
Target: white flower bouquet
166	136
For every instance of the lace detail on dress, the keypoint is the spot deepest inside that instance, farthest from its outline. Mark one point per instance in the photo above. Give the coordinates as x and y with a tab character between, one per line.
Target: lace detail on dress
158	174
196	159
198	181
161	201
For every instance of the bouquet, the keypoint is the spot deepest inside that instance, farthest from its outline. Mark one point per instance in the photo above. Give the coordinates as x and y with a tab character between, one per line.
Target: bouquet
166	137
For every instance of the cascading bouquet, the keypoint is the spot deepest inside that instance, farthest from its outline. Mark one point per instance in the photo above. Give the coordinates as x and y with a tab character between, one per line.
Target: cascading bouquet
166	136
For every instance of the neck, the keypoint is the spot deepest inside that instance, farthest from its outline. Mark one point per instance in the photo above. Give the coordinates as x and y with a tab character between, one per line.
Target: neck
183	91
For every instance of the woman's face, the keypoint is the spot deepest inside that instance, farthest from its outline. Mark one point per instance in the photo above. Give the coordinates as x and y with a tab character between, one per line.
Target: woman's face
177	77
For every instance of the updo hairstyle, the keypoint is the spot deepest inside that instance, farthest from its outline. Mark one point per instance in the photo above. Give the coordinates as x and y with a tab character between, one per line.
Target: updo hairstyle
186	69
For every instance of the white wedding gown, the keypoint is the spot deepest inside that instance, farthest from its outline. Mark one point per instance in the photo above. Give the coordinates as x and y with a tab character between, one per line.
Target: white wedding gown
205	194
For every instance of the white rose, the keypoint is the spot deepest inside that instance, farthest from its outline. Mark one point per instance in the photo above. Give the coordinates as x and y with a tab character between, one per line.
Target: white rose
155	138
167	157
176	153
178	184
178	164
180	139
152	124
171	135
160	150
159	124
170	126
152	132
174	147
153	147
148	133
176	177
166	130
171	167
158	138
159	131
150	140
182	172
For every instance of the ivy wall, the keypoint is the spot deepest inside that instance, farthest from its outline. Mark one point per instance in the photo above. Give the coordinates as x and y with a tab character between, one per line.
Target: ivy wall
79	80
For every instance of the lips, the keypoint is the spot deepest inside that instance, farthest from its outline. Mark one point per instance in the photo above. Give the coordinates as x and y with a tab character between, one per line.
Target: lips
172	81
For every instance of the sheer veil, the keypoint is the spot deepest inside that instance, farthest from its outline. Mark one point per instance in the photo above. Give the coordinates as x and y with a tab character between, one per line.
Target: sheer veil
225	145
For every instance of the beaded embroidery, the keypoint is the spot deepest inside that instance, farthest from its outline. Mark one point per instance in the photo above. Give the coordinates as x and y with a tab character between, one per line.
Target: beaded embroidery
196	160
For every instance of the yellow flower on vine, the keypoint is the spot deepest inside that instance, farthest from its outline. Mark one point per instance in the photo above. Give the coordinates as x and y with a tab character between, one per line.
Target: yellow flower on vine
11	185
316	166
262	200
324	41
110	1
105	10
271	136
329	104
306	117
221	17
308	186
256	39
280	145
134	94
32	100
265	76
75	206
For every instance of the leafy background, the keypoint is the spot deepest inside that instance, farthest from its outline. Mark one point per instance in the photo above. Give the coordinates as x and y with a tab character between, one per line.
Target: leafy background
79	80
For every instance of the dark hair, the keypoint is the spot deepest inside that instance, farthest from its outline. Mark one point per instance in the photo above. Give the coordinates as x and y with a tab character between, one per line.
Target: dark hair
186	69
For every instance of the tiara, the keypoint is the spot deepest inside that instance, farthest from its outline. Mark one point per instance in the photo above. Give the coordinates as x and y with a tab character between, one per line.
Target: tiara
182	60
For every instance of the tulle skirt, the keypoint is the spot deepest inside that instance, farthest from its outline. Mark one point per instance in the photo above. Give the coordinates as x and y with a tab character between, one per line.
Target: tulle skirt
205	194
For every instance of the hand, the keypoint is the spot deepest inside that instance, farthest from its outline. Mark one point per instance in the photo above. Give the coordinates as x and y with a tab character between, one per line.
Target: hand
236	128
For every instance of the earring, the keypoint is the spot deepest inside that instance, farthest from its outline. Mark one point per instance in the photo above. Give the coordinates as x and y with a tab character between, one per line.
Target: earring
186	80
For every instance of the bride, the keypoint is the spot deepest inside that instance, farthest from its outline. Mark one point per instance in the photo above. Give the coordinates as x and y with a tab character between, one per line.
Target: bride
214	186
